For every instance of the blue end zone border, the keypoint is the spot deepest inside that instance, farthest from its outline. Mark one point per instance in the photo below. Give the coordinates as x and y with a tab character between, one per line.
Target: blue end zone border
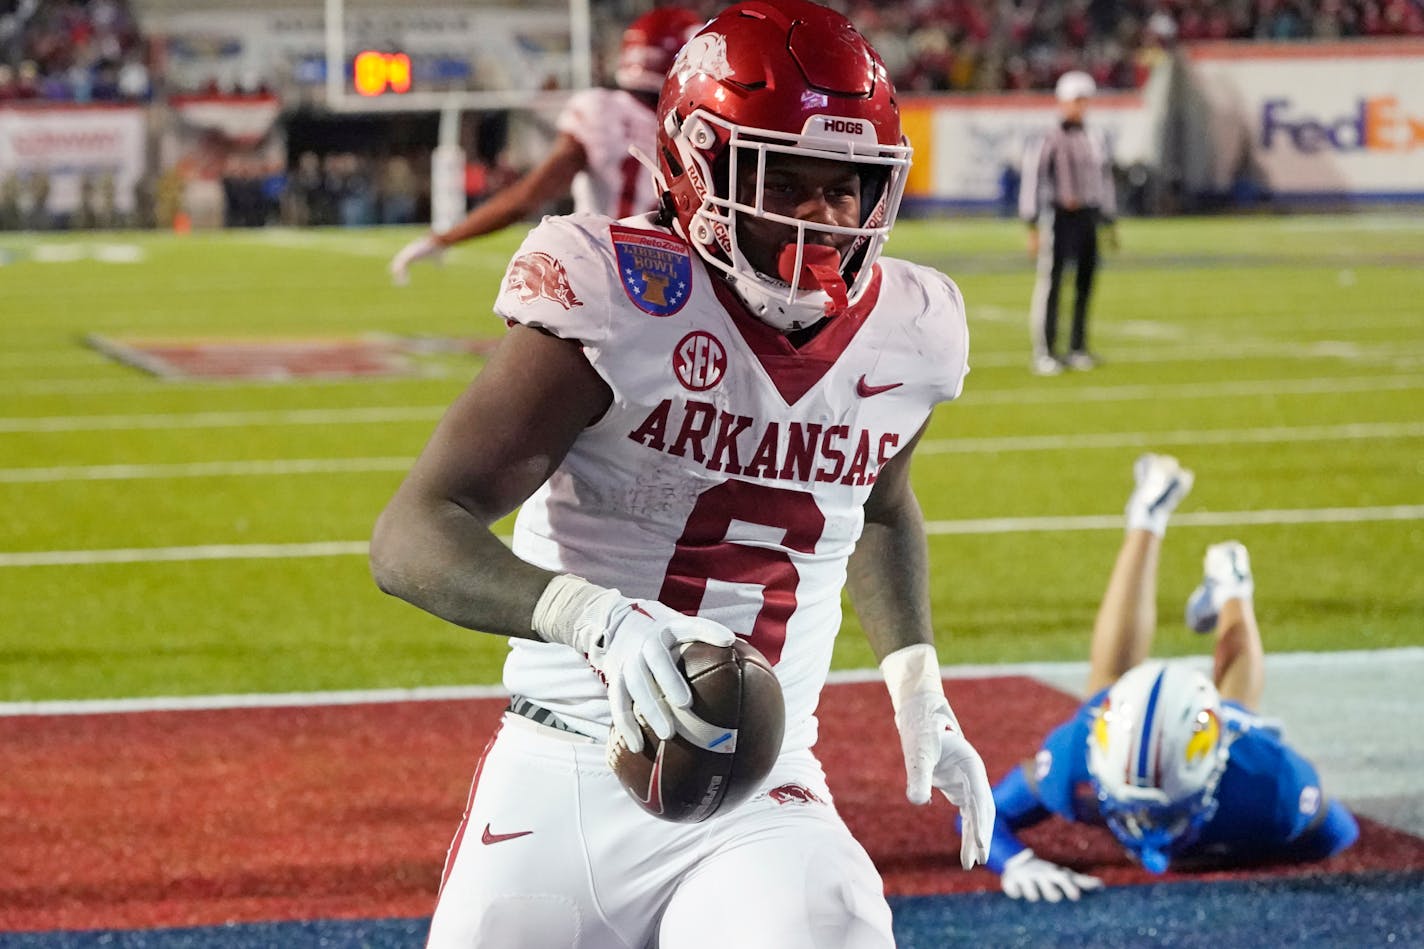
1352	910
1344	910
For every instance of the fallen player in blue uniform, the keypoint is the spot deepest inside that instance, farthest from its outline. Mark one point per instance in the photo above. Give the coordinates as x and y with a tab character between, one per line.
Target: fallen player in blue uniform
1180	768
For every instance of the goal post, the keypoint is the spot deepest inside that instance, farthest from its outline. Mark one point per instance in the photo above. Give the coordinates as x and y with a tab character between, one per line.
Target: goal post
466	54
459	56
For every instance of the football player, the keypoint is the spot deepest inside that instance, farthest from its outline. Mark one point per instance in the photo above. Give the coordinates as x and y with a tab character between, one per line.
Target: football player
706	416
590	157
1179	767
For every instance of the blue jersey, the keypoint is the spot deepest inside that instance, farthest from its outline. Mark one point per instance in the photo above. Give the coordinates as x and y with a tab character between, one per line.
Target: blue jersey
1269	802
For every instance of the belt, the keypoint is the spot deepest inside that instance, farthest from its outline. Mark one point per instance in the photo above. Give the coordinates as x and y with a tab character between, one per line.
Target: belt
537	713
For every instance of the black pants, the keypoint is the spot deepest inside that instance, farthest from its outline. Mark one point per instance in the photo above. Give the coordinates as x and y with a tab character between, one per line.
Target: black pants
1075	240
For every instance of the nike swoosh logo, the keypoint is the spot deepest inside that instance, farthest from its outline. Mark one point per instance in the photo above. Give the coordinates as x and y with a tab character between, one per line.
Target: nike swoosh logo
654	801
488	838
865	390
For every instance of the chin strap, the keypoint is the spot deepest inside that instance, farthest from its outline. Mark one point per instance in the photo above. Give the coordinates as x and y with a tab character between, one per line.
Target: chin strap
820	269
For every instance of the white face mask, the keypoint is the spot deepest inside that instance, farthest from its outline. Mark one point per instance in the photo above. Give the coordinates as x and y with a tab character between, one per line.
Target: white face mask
812	277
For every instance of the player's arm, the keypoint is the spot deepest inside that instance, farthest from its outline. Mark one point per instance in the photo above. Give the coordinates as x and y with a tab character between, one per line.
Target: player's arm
1023	874
888	580
433	545
1333	830
1330	829
549	180
888	574
502	438
1016	806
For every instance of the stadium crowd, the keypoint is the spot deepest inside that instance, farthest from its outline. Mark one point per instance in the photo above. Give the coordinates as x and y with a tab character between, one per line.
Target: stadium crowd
93	50
959	45
82	51
72	50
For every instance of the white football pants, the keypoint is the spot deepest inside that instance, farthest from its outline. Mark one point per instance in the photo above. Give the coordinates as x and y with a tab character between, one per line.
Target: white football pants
554	853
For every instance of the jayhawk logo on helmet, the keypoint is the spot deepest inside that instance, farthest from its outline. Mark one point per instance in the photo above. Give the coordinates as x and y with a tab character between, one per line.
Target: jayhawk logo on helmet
1206	734
1156	753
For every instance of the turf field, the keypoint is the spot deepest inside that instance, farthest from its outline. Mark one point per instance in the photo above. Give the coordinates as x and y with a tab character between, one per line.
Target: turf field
177	537
167	537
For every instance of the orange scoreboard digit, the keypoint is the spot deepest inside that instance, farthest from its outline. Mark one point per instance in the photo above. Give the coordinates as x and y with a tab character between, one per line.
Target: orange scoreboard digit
376	73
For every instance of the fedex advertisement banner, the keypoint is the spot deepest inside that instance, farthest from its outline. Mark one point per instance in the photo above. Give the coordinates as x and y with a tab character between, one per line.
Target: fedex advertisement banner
1325	119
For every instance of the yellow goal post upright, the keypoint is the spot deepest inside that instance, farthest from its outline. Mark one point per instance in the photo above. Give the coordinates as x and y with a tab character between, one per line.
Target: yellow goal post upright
452	57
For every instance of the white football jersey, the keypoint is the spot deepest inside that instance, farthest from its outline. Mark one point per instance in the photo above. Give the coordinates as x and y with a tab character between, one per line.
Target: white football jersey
606	122
729	475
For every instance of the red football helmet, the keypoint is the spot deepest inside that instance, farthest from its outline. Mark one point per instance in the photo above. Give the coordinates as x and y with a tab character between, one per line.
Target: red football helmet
783	77
650	44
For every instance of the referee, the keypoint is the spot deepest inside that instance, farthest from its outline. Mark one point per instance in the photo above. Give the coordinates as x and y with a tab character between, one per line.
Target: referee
1066	190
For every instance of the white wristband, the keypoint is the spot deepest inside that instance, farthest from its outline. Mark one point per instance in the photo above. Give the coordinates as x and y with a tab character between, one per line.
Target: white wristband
561	604
911	670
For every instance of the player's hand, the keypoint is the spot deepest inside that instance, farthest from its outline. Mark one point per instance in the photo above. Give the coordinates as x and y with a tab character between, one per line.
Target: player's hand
634	644
938	755
1028	877
418	249
1032	242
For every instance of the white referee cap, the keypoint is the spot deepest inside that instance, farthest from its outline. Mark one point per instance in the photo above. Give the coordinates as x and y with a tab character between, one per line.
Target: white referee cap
1075	85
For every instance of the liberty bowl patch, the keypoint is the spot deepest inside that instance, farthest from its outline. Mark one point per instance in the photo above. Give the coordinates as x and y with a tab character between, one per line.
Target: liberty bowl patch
656	271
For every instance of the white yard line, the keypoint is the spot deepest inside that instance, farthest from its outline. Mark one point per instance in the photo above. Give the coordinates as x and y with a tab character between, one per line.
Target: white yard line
1051	393
1003	525
1096	522
1052	672
1204	350
349	246
69	558
1025	395
1228	436
1359	738
136	384
940	446
177	420
203	469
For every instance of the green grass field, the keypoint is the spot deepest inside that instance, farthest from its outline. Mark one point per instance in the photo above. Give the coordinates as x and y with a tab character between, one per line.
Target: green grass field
1282	358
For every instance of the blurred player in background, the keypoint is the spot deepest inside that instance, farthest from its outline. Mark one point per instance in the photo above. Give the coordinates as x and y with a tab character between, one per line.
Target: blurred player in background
589	158
707	415
1066	191
1179	767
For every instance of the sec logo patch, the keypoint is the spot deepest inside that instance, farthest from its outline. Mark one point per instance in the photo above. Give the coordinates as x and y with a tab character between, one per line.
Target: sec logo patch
699	361
655	270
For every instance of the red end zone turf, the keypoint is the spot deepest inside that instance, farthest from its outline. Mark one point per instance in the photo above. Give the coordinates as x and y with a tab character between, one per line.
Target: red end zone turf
189	818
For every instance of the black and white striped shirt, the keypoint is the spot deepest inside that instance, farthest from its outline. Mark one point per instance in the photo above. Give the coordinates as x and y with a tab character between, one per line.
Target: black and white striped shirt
1068	169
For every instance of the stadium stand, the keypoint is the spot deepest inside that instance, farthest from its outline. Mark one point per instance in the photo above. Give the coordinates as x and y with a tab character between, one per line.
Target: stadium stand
185	61
76	51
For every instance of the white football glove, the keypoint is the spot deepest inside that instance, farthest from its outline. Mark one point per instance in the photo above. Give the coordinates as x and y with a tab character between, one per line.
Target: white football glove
634	645
1027	876
936	752
418	249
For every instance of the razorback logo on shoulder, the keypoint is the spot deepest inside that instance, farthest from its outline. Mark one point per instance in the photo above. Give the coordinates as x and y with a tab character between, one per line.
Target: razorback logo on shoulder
655	269
537	275
794	794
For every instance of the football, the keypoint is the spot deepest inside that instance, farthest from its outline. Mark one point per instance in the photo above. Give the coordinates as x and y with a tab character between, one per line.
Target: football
725	744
